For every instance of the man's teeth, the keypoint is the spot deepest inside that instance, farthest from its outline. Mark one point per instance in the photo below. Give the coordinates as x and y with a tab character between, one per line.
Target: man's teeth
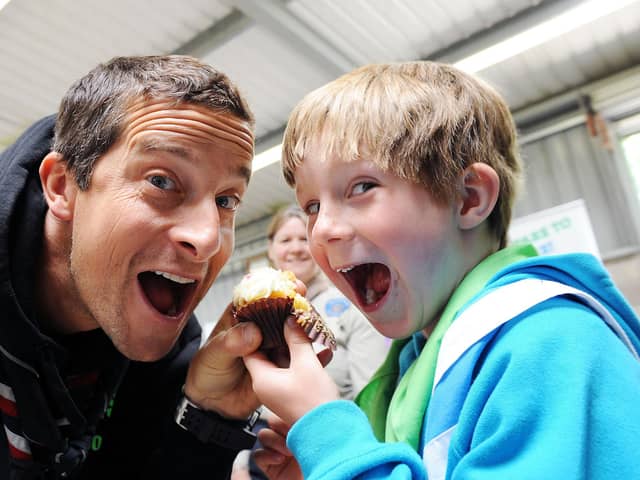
174	278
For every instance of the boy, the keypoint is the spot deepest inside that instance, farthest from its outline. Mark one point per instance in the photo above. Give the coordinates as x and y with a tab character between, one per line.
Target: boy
507	365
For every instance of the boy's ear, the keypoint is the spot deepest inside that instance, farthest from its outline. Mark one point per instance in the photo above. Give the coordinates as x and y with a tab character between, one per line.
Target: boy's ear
58	186
480	189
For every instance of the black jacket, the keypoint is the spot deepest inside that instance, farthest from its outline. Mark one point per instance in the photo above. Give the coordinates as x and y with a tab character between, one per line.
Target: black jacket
131	436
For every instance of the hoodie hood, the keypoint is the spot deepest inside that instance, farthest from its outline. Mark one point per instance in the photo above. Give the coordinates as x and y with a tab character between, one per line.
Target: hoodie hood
22	211
29	358
582	271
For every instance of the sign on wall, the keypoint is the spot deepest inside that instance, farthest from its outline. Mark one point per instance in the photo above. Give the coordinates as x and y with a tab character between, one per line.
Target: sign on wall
562	229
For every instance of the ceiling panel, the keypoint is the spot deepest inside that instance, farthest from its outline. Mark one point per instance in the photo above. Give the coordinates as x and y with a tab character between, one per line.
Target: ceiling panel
277	51
608	45
47	44
273	77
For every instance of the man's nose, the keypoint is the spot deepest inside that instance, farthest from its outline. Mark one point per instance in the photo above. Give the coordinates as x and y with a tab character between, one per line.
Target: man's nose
197	230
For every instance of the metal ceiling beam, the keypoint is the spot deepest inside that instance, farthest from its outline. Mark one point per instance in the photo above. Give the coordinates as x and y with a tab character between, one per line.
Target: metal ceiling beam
270	139
216	35
279	20
274	16
616	96
521	21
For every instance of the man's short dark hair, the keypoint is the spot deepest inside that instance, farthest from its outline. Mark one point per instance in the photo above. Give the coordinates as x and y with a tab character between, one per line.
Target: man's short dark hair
93	111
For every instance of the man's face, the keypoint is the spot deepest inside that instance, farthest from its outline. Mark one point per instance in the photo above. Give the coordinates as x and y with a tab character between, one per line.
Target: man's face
381	240
156	225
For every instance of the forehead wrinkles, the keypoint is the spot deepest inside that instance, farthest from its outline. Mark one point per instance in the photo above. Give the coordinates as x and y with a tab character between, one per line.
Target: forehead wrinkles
192	120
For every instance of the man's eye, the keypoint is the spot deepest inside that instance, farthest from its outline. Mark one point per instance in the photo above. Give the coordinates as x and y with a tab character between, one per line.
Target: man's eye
312	208
362	187
229	202
162	182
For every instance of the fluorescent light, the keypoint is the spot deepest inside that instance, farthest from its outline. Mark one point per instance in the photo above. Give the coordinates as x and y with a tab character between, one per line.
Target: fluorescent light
565	22
266	158
3	3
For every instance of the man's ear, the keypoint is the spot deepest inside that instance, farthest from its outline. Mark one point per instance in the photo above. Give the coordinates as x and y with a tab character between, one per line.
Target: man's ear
480	189
58	186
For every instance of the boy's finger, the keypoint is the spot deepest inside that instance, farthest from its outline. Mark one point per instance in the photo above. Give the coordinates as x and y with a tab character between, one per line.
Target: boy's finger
266	458
274	441
297	341
278	425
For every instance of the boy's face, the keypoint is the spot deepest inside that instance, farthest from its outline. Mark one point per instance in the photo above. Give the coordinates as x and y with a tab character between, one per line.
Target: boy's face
382	240
156	224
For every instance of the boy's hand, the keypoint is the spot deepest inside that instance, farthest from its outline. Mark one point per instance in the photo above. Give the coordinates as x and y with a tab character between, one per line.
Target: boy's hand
293	391
275	459
217	379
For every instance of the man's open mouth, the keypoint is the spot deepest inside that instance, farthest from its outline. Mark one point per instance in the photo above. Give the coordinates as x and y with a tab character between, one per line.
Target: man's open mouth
370	281
168	294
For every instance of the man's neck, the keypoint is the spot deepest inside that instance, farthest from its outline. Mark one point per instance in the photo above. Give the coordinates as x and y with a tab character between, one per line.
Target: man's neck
58	302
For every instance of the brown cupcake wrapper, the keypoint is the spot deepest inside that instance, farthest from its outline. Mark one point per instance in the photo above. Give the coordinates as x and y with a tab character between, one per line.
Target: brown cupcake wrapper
271	313
315	328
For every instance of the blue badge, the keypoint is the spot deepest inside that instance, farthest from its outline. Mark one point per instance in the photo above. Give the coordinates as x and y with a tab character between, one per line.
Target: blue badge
336	307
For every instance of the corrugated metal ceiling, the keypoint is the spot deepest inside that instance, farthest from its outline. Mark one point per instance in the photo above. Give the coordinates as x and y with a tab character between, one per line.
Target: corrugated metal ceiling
279	50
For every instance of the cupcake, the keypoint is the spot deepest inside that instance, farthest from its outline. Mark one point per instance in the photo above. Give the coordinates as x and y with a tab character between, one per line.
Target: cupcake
267	297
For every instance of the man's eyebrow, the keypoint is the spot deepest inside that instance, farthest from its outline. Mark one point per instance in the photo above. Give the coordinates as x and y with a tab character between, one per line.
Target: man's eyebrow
245	173
151	145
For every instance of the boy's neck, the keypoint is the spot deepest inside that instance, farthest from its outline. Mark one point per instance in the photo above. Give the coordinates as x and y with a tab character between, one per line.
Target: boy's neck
477	244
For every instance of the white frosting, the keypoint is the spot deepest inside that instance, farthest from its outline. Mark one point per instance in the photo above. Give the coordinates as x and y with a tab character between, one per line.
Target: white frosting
264	283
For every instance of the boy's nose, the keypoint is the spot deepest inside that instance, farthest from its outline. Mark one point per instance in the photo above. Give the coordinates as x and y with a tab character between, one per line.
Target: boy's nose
331	226
197	231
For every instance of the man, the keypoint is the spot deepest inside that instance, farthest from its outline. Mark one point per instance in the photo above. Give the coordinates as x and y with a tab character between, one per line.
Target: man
116	217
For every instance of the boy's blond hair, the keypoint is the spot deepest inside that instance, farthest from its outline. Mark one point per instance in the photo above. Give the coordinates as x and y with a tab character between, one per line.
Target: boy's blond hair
423	121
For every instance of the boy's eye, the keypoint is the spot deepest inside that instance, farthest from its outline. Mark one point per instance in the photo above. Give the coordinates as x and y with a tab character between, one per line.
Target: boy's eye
312	208
362	187
162	182
228	202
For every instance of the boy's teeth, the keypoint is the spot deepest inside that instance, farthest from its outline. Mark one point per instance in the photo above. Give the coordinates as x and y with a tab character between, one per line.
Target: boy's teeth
174	278
370	296
344	270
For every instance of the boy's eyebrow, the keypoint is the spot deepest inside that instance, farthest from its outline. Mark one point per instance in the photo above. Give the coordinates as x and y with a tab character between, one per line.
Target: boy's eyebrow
152	144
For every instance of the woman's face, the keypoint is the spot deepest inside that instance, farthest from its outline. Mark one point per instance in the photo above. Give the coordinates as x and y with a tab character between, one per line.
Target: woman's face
288	250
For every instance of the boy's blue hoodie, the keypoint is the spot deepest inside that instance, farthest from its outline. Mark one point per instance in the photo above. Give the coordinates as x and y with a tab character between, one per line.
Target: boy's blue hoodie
555	395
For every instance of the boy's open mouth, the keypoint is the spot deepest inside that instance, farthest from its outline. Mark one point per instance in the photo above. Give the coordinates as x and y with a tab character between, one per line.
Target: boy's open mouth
370	281
168	294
